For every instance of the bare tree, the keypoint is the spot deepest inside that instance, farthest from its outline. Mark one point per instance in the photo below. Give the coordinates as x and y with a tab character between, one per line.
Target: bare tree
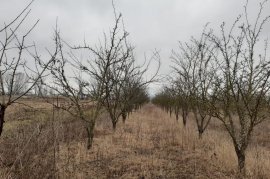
13	52
71	86
114	69
195	68
242	84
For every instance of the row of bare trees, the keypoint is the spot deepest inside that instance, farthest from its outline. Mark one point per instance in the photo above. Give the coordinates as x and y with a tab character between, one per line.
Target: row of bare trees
223	76
109	80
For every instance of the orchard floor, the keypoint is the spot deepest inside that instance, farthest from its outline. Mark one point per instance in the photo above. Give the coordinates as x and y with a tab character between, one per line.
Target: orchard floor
151	144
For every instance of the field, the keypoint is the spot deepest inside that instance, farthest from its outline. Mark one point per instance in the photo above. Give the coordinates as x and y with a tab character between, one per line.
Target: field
43	142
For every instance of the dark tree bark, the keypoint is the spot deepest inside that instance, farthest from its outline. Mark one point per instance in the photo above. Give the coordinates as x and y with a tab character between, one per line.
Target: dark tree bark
241	157
124	117
90	134
114	125
2	117
184	116
177	114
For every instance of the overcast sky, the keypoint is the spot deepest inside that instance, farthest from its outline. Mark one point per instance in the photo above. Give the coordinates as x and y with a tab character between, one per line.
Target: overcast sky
153	24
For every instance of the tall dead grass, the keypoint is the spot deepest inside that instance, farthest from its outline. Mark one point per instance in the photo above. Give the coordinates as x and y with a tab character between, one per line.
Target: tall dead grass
150	145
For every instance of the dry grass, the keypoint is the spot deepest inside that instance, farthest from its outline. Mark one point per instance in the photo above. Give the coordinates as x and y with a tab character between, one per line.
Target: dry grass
150	145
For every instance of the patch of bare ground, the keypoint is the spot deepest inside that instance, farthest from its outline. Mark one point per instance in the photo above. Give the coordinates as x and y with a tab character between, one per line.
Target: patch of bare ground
151	144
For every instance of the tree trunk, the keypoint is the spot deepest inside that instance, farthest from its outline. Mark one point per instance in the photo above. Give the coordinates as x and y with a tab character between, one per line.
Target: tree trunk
114	121
90	134
199	122
200	134
114	125
241	161
184	115
2	118
177	116
124	117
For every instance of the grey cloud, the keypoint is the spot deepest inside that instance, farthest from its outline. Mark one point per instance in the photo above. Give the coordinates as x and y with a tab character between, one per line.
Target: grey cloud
152	23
